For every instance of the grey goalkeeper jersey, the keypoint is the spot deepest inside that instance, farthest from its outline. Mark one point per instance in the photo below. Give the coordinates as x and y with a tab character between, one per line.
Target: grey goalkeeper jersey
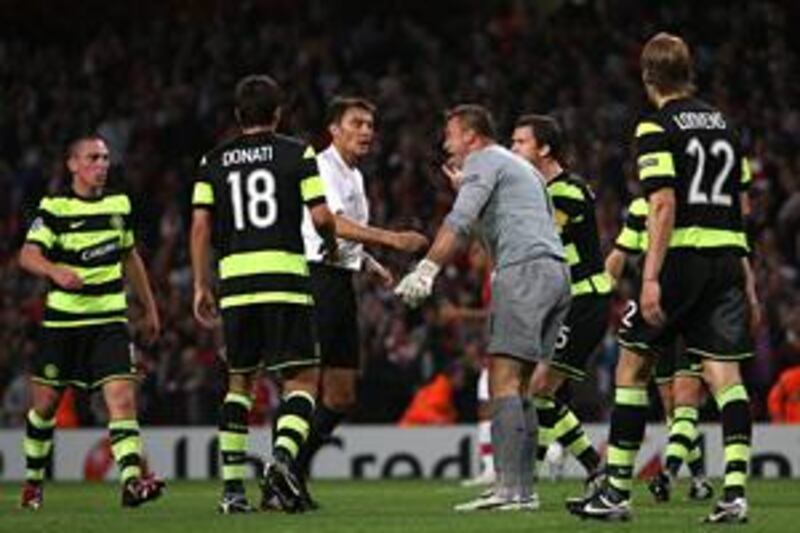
508	198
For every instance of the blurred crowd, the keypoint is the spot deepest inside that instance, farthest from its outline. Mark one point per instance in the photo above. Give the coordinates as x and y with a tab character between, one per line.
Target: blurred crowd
157	84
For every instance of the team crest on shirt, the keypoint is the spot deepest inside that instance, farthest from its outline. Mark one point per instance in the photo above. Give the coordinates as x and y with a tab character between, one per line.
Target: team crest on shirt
37	224
117	222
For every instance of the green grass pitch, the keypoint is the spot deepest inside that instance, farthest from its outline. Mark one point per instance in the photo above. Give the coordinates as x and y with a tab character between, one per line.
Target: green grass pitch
371	506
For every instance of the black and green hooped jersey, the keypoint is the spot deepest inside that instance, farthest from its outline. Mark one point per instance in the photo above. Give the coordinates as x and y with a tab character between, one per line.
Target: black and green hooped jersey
633	238
689	146
573	201
256	187
90	236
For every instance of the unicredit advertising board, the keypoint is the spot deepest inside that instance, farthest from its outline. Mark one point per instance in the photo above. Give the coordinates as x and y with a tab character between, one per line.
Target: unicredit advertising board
367	452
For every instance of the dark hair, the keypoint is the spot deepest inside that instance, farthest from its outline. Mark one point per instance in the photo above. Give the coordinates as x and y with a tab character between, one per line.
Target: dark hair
475	117
72	145
667	64
258	98
546	130
342	104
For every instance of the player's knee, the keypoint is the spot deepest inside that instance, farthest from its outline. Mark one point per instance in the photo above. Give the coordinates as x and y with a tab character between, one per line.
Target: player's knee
665	391
502	388
120	398
45	401
539	384
305	379
546	381
633	370
721	374
121	403
505	377
240	383
687	391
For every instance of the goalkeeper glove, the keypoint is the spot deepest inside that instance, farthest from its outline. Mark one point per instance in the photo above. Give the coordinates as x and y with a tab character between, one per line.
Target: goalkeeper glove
418	284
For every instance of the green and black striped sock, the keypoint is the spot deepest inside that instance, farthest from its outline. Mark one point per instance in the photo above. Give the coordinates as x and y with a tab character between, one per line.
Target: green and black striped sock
568	431
627	432
682	436
126	445
547	414
293	423
233	440
737	428
38	445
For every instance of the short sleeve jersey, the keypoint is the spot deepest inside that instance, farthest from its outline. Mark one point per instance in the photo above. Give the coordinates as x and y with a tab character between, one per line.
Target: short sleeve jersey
90	236
256	187
690	147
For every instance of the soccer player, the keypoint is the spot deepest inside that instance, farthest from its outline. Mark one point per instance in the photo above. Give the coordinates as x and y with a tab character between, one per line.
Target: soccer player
678	379
250	194
82	242
693	281
351	124
505	197
539	139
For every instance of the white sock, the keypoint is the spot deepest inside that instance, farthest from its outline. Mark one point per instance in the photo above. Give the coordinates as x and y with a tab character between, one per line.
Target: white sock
485	451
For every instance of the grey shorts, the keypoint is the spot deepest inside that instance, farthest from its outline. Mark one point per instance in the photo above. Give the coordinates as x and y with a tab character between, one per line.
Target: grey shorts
530	301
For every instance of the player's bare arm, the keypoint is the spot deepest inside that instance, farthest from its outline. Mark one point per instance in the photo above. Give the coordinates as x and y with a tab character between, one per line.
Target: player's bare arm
205	306
136	274
660	221
404	241
33	260
615	263
325	223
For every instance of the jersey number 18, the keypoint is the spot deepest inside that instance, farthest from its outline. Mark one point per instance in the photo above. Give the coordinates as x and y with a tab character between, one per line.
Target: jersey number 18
261	205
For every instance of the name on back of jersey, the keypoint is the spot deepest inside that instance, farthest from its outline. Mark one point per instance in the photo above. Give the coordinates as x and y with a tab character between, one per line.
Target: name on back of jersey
700	120
240	156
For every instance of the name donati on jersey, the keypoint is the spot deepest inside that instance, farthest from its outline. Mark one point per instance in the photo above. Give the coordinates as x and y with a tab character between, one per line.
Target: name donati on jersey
256	187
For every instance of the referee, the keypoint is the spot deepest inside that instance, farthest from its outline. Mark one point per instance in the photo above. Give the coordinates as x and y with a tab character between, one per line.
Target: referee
351	124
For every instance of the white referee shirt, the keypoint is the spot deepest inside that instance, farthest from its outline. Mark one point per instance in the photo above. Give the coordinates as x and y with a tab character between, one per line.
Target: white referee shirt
344	193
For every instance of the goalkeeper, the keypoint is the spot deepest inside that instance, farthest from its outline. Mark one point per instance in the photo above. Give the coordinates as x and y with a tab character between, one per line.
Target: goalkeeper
505	197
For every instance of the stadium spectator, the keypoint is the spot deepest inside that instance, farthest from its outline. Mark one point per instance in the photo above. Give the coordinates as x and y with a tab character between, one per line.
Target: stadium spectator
784	398
155	81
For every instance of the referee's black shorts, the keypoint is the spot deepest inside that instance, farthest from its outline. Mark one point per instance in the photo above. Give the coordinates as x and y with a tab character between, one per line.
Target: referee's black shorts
336	315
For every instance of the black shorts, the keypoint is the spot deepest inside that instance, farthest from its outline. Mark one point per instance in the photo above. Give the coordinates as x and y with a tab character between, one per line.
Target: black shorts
582	332
682	363
703	297
336	316
85	357
269	336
